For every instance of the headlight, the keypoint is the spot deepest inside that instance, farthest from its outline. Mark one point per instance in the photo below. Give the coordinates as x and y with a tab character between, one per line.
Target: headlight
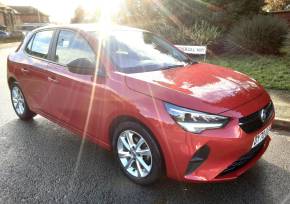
195	121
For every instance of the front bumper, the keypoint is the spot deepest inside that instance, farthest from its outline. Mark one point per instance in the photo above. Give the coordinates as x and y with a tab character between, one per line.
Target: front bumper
227	175
224	147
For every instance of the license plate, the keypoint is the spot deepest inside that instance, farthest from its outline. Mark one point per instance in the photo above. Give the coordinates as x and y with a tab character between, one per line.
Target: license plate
260	137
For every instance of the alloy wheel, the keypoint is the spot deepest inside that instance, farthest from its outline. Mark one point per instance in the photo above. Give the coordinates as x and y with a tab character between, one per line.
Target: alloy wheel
18	100
134	154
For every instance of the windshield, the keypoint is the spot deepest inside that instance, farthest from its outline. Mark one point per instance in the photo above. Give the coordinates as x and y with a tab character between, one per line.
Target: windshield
138	51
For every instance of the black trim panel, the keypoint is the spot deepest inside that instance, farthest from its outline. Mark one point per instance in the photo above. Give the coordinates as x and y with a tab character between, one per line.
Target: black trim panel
198	158
242	161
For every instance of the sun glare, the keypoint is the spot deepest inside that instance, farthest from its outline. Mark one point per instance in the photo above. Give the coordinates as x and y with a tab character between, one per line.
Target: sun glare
108	8
65	11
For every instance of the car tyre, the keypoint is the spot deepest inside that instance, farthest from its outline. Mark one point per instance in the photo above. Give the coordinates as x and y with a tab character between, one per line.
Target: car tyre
19	103
139	157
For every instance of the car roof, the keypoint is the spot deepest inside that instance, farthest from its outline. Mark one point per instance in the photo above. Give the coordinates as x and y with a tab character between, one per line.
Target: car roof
92	27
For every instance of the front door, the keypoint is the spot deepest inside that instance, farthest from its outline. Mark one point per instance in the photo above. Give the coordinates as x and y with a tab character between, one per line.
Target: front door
73	92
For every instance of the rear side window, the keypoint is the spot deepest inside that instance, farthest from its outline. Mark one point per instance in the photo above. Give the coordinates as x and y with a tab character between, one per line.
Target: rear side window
39	44
71	46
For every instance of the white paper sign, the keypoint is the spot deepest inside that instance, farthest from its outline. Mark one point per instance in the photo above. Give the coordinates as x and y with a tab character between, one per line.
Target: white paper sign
196	50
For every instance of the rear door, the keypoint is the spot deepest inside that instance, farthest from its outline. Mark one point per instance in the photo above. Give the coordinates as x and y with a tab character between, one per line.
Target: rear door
33	79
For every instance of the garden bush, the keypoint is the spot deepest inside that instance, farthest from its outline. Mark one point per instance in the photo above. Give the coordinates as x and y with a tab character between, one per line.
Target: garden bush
261	34
200	33
173	33
203	33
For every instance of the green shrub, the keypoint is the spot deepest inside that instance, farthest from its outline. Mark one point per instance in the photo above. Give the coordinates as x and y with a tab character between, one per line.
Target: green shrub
261	34
203	33
165	30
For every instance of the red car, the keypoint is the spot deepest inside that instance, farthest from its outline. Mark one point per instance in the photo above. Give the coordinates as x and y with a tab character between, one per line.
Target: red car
134	93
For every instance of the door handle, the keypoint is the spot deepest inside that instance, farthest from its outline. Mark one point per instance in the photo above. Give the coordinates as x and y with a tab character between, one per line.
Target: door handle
24	70
50	79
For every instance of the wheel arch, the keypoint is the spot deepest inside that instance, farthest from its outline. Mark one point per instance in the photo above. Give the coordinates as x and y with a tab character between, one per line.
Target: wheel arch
124	118
11	80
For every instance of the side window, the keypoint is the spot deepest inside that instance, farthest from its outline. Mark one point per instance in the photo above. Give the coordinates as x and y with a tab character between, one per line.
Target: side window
39	44
71	46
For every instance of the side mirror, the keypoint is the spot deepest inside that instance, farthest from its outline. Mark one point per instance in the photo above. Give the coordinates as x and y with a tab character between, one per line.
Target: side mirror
82	66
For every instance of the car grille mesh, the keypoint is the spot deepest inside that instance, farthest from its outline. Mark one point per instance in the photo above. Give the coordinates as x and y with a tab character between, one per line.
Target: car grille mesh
244	159
253	122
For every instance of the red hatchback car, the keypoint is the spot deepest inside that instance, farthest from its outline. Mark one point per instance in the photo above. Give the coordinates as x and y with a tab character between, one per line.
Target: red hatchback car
132	92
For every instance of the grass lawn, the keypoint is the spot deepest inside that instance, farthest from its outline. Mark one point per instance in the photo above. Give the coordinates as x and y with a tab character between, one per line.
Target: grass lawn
271	71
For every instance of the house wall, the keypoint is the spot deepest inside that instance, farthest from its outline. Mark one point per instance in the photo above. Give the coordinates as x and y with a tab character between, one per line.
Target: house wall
284	15
2	21
7	19
17	20
32	18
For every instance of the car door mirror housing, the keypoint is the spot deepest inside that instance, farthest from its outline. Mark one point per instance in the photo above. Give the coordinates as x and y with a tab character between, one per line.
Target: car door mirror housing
82	66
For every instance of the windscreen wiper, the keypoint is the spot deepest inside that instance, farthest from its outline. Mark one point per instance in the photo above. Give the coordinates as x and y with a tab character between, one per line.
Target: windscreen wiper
173	66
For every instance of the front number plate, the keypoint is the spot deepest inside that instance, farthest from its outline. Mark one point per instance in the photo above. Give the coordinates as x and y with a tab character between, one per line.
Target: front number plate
260	137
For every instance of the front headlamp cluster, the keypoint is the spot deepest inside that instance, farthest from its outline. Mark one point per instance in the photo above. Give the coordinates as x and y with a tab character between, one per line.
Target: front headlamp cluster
195	121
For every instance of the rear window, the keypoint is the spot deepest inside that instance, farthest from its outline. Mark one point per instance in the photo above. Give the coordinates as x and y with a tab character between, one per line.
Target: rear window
39	44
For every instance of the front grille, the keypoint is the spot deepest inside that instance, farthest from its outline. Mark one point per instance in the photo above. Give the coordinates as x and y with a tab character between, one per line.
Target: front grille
244	159
254	122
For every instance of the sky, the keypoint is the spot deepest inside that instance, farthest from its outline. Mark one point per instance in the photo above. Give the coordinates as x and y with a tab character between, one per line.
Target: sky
62	10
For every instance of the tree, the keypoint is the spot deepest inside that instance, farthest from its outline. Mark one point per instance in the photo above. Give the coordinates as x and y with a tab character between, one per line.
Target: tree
173	12
276	5
171	18
138	12
186	12
94	17
79	16
228	12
